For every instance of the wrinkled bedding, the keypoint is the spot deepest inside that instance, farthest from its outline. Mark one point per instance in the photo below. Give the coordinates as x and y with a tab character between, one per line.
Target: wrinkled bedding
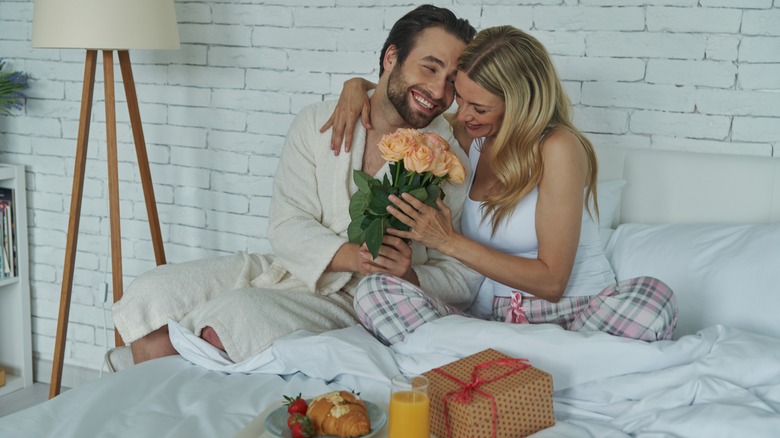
718	382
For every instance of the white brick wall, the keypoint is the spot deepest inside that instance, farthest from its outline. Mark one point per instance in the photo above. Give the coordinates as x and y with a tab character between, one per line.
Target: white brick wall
700	75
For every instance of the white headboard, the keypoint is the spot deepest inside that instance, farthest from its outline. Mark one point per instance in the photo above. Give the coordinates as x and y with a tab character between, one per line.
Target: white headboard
706	224
685	187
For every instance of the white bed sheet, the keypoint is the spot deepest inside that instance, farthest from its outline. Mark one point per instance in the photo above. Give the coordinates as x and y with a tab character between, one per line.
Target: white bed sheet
719	382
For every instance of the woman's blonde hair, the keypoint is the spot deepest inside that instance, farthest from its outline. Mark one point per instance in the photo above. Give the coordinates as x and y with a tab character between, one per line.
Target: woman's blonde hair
515	66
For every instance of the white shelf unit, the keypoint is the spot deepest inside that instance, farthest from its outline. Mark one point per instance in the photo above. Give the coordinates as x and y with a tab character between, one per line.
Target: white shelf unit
15	313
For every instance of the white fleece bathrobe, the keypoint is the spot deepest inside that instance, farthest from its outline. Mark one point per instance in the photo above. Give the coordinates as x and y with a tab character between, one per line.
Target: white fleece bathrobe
250	299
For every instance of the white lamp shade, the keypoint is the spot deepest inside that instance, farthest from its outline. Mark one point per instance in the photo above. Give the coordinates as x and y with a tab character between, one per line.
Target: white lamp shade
105	24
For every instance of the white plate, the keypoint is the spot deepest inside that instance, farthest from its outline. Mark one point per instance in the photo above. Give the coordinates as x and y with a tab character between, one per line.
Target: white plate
276	421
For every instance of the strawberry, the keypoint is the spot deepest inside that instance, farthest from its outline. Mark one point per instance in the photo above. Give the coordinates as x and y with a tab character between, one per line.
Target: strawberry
300	426
296	405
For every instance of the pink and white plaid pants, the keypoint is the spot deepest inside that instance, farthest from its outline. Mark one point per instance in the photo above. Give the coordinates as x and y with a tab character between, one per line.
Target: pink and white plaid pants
640	308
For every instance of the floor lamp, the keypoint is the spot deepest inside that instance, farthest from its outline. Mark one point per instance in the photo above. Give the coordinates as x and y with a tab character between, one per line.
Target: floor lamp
107	26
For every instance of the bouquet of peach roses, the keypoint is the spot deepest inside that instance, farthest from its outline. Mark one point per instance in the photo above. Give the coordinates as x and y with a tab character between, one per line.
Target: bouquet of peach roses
419	164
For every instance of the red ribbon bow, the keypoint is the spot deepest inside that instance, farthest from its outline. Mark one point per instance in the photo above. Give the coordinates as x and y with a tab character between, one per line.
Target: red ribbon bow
464	393
515	314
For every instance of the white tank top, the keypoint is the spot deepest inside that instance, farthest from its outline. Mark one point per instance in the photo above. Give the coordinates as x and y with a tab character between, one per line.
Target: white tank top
517	235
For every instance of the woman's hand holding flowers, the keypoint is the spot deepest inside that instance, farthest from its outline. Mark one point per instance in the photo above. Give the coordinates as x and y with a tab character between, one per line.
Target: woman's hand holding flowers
430	226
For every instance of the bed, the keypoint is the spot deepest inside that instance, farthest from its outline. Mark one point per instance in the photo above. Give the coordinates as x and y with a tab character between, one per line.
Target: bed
706	224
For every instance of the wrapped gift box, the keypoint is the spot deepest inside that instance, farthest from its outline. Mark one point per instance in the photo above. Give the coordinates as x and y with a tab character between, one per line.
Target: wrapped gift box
489	394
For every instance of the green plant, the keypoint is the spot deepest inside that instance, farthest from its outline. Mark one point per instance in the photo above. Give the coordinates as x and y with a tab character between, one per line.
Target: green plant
11	84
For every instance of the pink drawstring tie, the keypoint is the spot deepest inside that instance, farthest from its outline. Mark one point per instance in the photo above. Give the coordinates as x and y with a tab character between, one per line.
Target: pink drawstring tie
515	314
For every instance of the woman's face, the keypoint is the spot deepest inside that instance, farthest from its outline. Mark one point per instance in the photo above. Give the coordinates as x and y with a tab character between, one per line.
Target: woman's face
479	110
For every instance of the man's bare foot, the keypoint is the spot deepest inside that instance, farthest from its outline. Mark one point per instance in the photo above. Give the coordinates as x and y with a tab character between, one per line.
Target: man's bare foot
210	335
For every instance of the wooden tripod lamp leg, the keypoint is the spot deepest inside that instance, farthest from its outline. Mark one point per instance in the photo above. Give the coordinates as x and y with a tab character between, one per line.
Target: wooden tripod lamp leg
143	160
113	179
113	191
143	168
73	222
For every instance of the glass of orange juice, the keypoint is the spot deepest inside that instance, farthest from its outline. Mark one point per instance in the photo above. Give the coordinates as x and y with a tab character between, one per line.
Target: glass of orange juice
409	407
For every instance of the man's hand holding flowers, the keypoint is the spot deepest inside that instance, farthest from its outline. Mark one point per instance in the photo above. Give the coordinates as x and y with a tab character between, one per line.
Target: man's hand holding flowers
394	258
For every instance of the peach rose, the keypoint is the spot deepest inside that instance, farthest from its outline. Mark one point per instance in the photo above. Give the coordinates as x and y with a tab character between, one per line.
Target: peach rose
457	173
435	142
418	158
442	163
395	146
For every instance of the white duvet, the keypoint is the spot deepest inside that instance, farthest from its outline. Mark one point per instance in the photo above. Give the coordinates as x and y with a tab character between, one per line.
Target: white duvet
720	382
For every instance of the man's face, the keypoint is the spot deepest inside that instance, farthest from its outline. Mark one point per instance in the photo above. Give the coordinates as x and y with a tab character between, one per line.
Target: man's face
422	87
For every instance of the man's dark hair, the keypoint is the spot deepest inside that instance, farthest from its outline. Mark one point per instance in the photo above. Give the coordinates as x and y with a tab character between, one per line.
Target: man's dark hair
405	31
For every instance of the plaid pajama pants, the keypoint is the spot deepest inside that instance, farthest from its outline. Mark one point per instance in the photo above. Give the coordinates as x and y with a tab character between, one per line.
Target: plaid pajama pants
640	308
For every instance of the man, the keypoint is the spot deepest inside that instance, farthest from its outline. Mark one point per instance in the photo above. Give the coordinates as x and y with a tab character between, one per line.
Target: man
242	303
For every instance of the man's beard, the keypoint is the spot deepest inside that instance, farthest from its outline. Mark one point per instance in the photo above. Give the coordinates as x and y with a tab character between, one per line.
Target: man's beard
397	93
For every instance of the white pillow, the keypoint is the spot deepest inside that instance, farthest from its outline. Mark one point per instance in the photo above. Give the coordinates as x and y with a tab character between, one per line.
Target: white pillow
609	194
720	274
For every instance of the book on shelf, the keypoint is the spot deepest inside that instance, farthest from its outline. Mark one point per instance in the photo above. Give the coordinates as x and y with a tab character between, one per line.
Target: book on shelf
8	252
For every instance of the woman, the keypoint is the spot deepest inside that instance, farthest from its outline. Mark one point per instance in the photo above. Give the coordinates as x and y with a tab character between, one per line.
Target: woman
527	225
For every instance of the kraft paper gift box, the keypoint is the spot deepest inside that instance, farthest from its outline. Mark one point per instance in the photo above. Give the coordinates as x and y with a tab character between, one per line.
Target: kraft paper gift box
489	394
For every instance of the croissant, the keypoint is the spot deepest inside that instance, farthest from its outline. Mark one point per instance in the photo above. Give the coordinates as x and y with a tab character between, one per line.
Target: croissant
339	413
